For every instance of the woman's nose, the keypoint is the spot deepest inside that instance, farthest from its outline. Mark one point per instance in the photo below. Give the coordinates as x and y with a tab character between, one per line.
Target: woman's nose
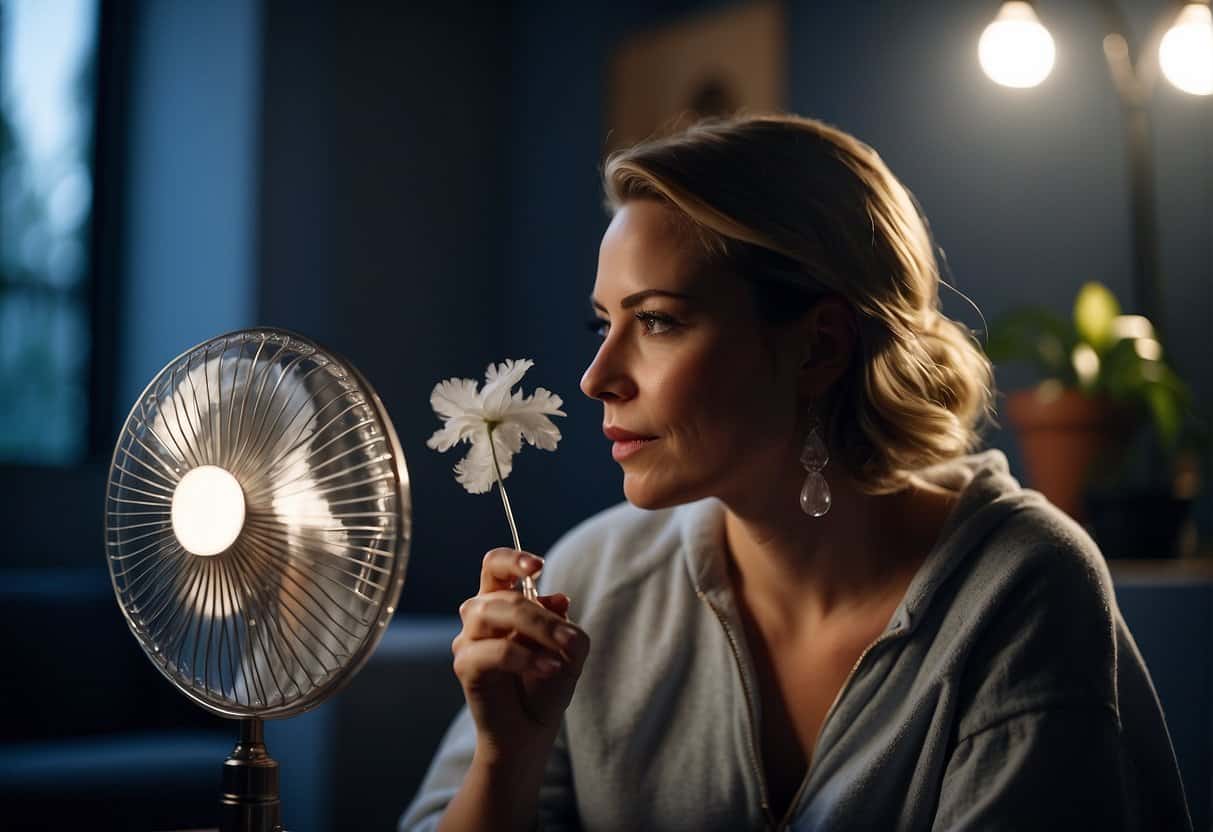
607	376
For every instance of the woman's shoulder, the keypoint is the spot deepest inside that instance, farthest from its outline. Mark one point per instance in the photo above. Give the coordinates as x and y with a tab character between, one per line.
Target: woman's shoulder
1042	542
1017	576
1006	536
1028	622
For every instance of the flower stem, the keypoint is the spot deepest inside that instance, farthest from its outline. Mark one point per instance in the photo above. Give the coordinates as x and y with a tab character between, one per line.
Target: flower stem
528	584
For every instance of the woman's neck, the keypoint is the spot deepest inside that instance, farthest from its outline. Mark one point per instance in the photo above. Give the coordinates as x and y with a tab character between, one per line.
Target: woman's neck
793	570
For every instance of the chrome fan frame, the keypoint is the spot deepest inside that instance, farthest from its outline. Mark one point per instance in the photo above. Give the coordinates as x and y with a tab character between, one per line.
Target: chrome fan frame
282	566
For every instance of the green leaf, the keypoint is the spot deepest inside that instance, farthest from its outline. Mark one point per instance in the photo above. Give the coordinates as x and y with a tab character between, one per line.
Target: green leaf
1122	371
1166	411
1094	309
1034	335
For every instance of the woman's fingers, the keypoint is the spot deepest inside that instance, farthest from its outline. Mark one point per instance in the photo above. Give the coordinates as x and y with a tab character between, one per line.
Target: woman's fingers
509	614
502	568
558	603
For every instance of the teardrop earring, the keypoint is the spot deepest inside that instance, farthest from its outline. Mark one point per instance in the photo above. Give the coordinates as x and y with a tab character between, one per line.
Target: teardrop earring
815	493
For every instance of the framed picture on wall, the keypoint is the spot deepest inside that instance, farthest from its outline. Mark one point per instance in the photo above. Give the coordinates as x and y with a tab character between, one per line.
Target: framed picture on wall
711	64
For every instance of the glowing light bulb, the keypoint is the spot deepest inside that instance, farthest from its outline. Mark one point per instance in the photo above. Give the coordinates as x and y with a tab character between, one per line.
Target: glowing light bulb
208	510
1186	51
1016	50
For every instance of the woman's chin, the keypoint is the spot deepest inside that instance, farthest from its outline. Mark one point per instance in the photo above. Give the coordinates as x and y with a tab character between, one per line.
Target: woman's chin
650	496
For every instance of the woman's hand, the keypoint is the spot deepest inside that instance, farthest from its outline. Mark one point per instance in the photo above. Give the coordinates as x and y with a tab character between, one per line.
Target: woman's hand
518	661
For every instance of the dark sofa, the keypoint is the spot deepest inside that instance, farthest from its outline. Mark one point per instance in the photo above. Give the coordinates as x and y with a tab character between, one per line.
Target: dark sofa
95	738
92	735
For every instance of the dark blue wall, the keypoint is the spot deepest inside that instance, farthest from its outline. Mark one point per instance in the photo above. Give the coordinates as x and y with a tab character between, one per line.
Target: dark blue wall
383	228
417	187
190	226
430	202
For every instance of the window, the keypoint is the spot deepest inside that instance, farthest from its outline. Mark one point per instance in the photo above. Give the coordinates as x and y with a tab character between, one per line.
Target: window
48	87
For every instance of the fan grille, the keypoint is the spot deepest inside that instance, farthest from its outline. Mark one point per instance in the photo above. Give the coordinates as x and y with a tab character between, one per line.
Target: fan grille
293	607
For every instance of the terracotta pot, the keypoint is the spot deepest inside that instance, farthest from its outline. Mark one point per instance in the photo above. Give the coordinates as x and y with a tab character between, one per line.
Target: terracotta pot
1062	435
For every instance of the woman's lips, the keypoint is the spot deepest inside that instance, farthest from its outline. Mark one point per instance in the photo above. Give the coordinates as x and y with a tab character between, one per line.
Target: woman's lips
626	442
623	449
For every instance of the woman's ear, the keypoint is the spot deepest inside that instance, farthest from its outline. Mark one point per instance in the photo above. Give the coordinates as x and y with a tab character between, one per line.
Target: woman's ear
828	337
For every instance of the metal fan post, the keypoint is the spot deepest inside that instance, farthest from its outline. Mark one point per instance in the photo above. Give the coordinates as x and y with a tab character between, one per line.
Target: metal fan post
250	785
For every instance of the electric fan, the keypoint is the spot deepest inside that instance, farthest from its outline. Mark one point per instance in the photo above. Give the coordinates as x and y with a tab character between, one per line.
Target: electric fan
257	527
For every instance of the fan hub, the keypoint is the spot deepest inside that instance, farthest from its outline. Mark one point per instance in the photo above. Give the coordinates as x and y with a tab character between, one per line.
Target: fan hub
208	510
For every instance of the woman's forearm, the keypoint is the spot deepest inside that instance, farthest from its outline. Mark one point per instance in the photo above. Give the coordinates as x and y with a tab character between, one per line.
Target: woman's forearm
497	794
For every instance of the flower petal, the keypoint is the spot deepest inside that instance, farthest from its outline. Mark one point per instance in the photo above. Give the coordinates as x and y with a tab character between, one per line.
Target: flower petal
456	397
499	379
530	417
537	429
507	436
475	470
456	429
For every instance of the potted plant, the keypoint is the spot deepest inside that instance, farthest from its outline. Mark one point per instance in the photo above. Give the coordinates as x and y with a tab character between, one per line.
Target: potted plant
1108	434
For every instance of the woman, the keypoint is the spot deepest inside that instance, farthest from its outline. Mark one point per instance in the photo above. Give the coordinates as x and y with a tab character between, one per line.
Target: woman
815	610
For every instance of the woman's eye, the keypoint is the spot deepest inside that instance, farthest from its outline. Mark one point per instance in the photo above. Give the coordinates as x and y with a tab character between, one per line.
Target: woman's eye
656	323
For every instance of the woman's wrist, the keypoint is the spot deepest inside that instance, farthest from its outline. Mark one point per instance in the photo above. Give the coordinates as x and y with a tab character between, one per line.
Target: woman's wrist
500	791
516	757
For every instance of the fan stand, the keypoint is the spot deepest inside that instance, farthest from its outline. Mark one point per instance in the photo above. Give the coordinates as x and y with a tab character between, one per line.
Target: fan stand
250	785
222	511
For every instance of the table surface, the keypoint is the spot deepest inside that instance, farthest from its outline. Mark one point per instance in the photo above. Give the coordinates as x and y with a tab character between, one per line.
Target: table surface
1195	569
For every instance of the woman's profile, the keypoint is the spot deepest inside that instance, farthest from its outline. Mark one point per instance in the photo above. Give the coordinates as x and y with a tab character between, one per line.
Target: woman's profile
818	607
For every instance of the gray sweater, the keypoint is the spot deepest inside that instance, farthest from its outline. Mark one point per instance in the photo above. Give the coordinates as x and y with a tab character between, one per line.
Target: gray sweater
1006	692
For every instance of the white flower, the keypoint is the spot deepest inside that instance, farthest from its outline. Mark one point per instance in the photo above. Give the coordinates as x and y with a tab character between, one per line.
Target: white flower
470	416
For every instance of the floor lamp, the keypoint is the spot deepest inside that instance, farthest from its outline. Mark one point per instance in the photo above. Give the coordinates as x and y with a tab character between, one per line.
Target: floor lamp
1016	50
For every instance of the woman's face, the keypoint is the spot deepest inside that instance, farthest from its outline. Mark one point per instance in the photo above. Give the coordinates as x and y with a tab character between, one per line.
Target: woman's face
686	363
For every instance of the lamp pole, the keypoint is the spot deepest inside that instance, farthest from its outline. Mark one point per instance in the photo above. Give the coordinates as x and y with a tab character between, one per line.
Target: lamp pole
1134	80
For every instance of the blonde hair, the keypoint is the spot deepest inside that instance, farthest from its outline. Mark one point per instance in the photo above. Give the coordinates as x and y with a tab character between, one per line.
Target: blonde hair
802	209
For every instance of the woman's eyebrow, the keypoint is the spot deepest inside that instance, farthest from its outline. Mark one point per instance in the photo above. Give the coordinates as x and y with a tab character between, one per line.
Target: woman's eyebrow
633	299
